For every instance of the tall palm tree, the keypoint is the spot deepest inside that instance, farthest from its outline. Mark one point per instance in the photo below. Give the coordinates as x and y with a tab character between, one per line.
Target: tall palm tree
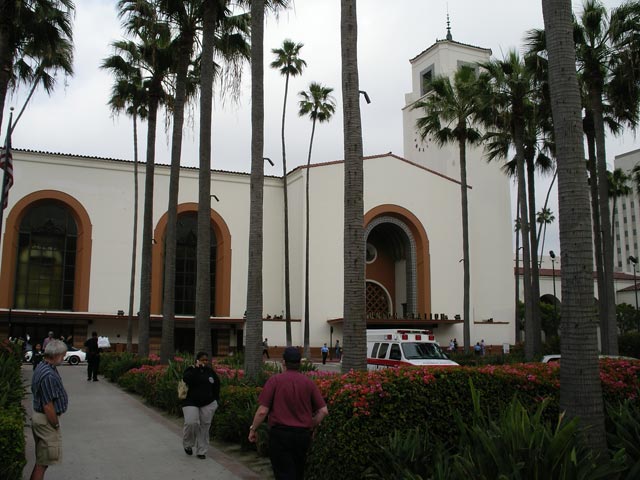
511	104
580	388
36	41
290	64
185	19
224	36
253	359
450	115
143	19
128	94
544	217
602	50
355	325
320	106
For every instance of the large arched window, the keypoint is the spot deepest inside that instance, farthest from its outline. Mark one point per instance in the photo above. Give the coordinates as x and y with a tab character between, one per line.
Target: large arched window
187	264
46	258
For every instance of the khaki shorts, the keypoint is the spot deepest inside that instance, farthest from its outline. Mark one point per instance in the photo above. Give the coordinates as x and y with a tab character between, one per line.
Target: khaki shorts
48	440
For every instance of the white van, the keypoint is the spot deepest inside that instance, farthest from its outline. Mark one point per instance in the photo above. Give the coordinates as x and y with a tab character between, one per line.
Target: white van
395	348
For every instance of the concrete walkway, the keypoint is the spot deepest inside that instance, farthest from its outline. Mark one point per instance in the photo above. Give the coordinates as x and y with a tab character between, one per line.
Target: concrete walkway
111	435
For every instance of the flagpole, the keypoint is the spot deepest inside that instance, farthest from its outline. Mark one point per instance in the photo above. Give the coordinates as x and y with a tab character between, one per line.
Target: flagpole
4	171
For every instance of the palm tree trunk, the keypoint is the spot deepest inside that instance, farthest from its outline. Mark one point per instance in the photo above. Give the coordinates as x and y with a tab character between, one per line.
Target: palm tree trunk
595	215
147	226
535	272
307	323
203	270
253	357
517	299
287	282
529	326
608	331
167	345
354	334
134	247
465	245
580	387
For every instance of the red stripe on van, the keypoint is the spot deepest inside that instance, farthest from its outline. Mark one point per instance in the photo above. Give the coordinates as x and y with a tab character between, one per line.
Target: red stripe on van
387	363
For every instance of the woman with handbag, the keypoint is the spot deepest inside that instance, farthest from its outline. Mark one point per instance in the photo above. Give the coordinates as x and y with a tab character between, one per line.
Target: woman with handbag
199	405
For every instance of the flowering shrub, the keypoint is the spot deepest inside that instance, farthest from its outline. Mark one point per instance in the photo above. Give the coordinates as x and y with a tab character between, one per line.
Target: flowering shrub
365	407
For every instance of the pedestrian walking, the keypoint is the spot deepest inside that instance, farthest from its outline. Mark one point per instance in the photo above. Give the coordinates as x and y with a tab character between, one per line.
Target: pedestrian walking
294	406
325	352
50	401
265	348
200	405
338	349
37	355
46	341
93	357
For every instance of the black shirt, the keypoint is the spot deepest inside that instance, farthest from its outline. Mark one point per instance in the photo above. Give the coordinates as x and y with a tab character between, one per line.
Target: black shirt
204	386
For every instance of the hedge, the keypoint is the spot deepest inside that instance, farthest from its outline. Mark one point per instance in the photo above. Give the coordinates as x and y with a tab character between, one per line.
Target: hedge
12	443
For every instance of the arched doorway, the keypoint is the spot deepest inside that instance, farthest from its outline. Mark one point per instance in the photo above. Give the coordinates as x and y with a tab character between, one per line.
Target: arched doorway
397	250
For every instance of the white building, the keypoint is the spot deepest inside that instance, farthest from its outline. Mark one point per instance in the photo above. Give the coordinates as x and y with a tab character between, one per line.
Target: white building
66	245
626	213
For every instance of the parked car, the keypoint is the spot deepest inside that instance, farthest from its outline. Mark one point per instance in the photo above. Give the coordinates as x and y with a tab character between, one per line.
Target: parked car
74	356
555	358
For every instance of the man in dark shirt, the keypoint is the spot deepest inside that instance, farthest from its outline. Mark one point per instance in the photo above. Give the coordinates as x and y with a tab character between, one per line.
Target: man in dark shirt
93	357
295	406
50	401
200	405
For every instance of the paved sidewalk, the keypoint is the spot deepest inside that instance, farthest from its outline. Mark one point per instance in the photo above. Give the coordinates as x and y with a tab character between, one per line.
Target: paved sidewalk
111	435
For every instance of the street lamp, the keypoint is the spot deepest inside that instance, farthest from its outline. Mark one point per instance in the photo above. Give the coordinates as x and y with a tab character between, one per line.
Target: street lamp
553	273
634	262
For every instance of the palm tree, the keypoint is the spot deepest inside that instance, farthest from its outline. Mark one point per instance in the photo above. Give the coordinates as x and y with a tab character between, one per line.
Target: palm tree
128	94
142	18
544	217
320	106
450	112
602	53
185	19
225	35
36	41
512	108
580	388
253	359
290	64
355	325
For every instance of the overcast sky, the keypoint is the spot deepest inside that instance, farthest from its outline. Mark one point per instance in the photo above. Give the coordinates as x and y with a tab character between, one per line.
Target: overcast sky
76	120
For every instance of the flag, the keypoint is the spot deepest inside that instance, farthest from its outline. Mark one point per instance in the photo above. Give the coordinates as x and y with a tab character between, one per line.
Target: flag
6	164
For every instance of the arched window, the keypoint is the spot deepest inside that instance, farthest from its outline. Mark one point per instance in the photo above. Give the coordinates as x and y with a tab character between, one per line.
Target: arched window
187	264
46	258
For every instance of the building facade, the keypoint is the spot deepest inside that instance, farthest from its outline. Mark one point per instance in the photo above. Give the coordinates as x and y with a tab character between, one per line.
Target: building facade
67	242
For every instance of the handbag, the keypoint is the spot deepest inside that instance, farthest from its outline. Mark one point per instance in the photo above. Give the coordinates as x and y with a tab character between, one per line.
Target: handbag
183	389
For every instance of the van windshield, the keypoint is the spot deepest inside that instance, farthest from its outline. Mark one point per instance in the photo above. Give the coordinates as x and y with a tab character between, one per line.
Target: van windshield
422	351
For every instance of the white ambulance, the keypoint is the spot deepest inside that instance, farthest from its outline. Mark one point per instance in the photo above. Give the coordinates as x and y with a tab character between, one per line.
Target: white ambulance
395	348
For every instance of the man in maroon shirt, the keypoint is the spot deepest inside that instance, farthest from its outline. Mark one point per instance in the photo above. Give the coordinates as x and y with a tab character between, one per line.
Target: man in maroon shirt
294	406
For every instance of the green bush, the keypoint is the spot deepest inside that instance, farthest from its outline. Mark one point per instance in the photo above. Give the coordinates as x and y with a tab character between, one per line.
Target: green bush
365	407
624	433
629	344
12	444
235	413
114	365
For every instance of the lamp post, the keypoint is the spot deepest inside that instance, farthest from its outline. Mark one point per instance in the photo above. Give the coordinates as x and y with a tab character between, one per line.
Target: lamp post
634	262
553	273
